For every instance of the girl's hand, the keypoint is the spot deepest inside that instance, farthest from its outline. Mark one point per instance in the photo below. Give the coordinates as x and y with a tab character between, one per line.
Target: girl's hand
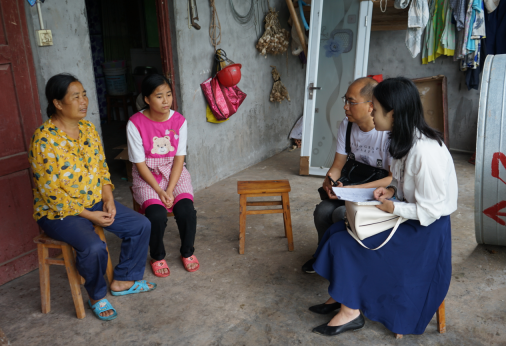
170	197
164	198
382	192
386	205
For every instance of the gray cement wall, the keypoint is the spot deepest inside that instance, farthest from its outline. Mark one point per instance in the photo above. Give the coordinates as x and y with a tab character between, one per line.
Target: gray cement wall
70	53
389	56
260	128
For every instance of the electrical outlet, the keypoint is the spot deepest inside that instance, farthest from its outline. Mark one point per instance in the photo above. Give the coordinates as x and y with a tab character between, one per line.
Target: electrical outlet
44	38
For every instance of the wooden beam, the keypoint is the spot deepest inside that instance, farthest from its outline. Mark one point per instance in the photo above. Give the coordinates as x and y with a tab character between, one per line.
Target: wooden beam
295	21
304	165
264	203
264	211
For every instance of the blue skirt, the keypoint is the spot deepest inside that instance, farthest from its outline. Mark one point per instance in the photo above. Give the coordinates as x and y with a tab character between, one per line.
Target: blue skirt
400	285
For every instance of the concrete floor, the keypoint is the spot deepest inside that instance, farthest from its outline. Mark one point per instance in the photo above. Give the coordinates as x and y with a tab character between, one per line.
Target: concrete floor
262	297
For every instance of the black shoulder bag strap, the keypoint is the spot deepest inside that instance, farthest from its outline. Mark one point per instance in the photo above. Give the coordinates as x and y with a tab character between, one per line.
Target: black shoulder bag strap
348	141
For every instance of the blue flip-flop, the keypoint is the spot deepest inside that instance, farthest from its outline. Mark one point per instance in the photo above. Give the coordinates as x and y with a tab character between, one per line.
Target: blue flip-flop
139	286
101	306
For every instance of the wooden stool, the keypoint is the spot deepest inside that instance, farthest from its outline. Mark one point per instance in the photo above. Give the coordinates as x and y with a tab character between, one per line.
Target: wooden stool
115	102
137	207
44	243
261	188
441	320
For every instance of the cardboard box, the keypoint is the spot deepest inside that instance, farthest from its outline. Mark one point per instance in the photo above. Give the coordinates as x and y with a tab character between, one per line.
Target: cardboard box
433	94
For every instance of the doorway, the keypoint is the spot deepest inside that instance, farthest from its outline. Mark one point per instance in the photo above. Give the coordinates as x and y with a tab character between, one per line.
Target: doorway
125	32
338	54
137	35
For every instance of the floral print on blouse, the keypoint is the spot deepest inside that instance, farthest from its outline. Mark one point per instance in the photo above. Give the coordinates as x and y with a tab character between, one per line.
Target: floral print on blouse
68	173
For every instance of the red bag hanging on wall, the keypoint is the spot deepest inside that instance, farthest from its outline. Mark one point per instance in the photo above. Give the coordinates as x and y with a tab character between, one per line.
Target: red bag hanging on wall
223	101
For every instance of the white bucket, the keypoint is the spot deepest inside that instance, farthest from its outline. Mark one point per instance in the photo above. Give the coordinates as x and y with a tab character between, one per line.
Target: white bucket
115	80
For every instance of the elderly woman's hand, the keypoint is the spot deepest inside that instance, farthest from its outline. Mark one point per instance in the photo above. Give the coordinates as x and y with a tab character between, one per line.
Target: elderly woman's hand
110	208
108	199
98	218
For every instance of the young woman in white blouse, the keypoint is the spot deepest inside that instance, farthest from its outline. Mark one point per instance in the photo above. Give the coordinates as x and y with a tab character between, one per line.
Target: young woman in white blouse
403	283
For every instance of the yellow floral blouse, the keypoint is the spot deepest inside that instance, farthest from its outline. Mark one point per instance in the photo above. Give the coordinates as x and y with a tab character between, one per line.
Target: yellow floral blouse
68	173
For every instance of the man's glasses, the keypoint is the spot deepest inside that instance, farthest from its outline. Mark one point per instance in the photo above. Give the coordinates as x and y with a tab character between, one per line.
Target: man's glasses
348	102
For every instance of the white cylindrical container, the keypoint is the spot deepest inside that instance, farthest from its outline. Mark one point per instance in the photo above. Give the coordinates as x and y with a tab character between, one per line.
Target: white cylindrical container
490	178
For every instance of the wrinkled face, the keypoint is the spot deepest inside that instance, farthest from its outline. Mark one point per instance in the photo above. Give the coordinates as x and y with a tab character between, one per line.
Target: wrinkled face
160	100
75	103
357	112
383	121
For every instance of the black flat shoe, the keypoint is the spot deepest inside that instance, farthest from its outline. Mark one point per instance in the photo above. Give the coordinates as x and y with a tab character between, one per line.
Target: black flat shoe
324	309
356	324
308	266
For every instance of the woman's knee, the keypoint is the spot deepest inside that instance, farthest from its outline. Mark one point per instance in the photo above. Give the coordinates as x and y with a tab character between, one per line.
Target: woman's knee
96	249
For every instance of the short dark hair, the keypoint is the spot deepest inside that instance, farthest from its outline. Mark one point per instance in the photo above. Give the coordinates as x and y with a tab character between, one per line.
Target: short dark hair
56	89
369	85
151	82
401	95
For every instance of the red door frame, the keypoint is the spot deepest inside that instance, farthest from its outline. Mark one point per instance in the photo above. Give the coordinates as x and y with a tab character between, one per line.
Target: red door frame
164	34
16	59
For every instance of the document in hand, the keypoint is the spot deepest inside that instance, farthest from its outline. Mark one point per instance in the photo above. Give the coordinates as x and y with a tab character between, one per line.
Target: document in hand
356	195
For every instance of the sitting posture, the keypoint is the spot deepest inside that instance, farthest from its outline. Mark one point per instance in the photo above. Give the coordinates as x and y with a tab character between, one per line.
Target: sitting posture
367	145
404	282
73	192
161	182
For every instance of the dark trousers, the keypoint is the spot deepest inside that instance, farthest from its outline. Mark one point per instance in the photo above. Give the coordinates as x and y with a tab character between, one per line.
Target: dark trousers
327	213
186	219
91	259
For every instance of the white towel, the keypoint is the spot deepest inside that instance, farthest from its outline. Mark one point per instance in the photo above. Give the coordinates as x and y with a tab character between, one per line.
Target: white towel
418	17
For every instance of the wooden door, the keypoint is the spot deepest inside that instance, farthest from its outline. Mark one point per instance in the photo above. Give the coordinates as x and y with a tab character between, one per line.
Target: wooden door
19	117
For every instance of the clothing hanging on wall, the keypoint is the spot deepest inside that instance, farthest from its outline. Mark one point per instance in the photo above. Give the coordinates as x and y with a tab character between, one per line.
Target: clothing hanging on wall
433	47
448	36
495	25
491	5
459	8
418	16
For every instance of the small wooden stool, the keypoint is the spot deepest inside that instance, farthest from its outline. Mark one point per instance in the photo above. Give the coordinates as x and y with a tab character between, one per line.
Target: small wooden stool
44	243
137	207
115	102
261	188
441	320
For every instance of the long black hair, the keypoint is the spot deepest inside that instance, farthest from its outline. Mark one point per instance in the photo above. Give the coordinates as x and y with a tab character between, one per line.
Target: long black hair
56	89
151	82
401	95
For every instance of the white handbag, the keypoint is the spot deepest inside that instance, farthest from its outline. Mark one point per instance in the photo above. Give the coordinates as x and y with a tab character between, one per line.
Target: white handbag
364	221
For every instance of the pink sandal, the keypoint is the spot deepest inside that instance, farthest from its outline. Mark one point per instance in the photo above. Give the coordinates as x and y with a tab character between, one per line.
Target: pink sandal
157	265
189	260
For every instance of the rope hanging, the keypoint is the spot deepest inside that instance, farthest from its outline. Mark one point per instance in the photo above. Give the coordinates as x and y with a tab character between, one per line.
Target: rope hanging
240	18
214	29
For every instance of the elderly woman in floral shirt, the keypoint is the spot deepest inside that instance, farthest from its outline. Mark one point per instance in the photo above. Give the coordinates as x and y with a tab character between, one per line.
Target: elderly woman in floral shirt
73	192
